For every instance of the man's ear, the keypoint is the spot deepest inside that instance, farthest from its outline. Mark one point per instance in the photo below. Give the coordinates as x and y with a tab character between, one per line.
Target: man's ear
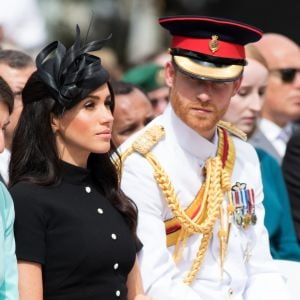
54	122
169	74
237	85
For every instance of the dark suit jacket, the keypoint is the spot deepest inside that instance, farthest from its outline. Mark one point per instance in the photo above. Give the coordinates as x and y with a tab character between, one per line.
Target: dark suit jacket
291	172
259	140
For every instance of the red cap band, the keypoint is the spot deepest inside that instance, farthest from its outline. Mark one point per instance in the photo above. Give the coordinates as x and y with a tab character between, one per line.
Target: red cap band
225	49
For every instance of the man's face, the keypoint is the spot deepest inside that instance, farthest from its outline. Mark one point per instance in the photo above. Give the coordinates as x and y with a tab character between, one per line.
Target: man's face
132	112
282	98
198	103
159	99
16	79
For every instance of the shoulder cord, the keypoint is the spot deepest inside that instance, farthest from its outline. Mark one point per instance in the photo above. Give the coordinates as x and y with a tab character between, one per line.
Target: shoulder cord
216	183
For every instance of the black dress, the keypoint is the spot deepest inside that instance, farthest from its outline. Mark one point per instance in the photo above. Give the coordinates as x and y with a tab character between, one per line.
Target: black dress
82	242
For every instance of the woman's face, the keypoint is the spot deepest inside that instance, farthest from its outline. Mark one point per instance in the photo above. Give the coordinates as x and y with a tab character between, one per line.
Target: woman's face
245	106
4	121
85	128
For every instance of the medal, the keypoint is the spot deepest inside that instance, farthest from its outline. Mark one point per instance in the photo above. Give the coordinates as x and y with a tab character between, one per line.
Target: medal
253	218
244	203
246	220
238	217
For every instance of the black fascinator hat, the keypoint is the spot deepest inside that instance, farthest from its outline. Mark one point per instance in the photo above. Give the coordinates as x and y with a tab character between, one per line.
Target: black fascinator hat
71	74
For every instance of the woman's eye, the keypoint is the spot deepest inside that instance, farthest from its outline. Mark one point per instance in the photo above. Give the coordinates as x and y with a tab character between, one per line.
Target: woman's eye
262	91
243	93
89	105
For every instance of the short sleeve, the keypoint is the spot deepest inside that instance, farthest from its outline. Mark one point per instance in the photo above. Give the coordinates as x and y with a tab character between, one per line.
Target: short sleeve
9	275
30	223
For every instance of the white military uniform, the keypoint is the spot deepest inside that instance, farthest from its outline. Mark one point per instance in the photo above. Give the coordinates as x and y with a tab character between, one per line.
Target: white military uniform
249	271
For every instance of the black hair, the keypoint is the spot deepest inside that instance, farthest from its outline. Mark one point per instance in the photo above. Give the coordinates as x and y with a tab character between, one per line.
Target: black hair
125	88
15	59
6	95
35	158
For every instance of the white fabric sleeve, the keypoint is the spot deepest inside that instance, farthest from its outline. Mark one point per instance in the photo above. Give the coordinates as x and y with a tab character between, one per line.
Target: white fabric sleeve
161	278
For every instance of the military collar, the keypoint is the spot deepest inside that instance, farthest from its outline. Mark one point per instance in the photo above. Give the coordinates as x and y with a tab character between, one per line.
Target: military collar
189	139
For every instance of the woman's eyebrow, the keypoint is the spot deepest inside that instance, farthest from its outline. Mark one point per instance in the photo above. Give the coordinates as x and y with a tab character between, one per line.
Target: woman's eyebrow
92	97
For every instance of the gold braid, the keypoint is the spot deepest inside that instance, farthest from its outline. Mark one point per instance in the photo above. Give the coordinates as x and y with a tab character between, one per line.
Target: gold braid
217	182
214	200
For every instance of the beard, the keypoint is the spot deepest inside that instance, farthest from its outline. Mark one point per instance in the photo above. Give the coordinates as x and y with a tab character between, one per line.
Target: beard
188	112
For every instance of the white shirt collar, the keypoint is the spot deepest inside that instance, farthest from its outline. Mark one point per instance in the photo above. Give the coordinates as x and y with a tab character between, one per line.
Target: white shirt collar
272	131
188	139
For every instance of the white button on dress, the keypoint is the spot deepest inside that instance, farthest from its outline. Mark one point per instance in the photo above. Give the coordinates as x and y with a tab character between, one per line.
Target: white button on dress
118	293
113	236
88	189
116	266
100	211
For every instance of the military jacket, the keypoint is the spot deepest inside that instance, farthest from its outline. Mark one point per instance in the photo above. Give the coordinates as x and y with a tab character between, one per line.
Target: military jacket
249	271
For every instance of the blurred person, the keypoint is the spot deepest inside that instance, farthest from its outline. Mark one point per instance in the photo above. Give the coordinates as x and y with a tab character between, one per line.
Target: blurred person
132	112
8	262
281	106
243	112
110	62
15	67
161	58
291	172
22	24
150	78
75	230
188	174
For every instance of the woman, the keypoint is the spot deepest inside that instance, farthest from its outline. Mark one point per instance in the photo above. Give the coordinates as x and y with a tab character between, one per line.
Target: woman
75	229
8	263
243	112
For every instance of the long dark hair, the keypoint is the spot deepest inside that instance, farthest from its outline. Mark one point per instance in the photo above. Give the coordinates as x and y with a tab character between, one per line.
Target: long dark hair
35	158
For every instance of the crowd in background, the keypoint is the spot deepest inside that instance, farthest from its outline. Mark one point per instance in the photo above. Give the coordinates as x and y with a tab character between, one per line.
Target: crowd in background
141	92
266	107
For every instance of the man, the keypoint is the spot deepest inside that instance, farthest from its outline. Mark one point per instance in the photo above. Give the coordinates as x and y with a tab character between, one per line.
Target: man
282	97
291	172
150	78
198	189
132	111
15	68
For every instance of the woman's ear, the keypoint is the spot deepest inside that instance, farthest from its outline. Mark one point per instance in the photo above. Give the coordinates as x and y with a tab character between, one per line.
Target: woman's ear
54	122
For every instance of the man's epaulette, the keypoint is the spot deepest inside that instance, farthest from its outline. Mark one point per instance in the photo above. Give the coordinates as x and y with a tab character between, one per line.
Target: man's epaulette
233	130
146	141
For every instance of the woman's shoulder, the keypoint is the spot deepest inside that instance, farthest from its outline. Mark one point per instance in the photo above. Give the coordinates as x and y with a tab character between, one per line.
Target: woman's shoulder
5	198
23	187
26	190
266	158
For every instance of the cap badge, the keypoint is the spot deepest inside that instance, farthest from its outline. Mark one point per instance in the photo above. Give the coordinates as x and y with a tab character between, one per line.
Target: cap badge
214	44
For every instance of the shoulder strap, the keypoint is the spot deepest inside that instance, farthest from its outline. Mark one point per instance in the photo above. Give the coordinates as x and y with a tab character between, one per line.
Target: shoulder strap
233	130
145	142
